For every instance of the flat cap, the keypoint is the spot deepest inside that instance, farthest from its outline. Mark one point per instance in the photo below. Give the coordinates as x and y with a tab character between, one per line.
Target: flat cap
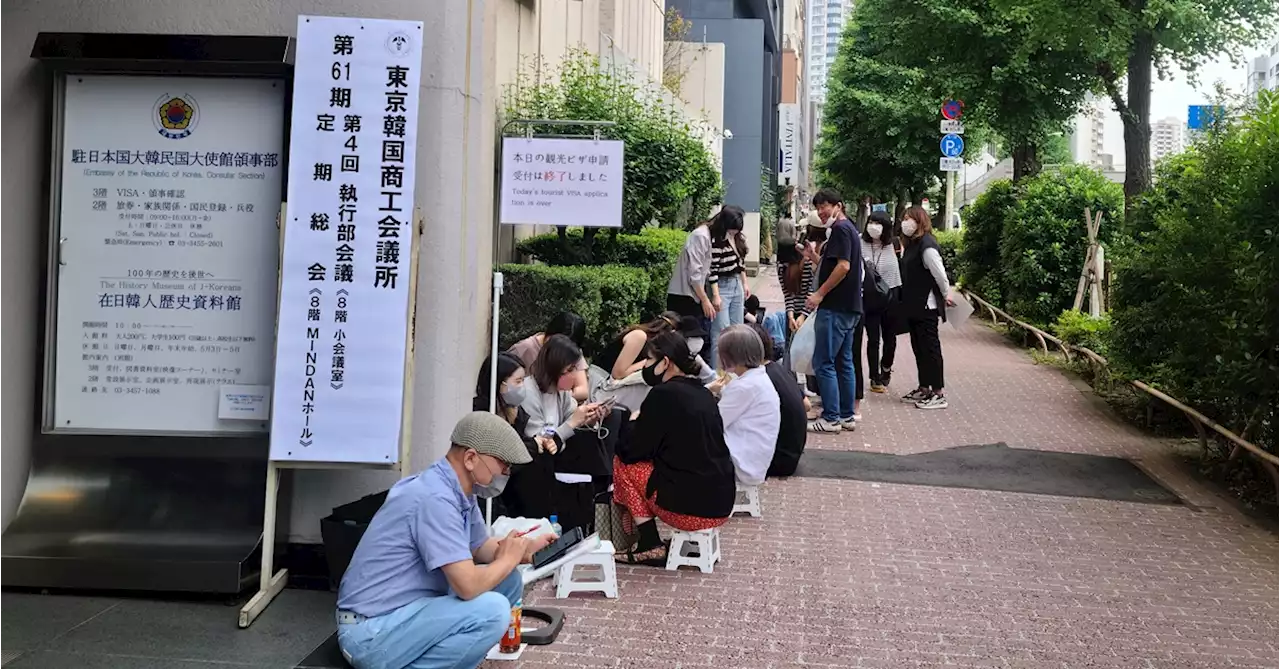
489	434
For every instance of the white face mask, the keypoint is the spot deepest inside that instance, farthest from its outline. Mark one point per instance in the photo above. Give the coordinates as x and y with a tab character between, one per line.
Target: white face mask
874	230
909	228
695	345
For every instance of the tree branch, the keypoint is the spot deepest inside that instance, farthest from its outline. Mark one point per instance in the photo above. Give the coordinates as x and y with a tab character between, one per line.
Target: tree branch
1109	80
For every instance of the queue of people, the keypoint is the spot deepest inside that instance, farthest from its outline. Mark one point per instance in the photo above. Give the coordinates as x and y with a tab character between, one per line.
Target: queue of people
667	422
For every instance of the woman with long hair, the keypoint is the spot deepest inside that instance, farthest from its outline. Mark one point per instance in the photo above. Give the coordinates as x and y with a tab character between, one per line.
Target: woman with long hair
728	278
879	310
675	465
528	493
564	323
925	296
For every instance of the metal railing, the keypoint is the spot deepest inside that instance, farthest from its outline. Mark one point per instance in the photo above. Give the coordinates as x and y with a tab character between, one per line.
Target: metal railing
1267	461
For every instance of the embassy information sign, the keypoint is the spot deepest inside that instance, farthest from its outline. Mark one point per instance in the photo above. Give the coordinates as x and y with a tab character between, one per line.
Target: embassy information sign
344	290
569	182
169	191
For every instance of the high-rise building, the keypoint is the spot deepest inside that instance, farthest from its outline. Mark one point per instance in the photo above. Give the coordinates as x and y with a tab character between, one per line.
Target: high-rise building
827	19
1087	132
1264	71
1167	137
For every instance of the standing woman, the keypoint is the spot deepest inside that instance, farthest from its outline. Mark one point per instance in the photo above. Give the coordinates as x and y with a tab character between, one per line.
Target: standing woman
924	300
728	279
880	310
687	290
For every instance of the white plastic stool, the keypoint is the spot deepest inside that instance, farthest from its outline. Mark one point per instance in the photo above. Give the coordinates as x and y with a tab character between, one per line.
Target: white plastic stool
706	545
747	501
592	572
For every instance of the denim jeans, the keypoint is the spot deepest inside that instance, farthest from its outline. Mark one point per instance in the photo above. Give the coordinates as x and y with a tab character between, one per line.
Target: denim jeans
732	297
834	362
433	632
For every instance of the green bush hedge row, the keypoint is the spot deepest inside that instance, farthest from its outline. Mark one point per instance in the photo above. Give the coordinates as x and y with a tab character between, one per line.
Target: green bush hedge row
608	297
950	242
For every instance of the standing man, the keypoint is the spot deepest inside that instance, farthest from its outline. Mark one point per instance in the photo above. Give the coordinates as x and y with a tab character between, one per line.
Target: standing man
428	586
838	302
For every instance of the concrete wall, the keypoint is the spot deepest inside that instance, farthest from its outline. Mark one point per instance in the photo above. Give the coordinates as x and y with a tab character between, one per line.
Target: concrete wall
702	90
638	29
454	189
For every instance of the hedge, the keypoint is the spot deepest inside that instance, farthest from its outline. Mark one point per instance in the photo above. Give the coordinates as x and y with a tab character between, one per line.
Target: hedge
654	250
950	242
979	258
608	298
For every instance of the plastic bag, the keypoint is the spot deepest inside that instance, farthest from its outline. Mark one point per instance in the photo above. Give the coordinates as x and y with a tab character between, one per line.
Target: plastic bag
536	527
802	347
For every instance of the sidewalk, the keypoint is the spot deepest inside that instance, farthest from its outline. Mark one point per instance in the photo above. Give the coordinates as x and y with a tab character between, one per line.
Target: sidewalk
844	573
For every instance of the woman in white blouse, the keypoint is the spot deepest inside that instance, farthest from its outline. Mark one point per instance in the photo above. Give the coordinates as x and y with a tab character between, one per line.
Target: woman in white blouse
880	310
749	405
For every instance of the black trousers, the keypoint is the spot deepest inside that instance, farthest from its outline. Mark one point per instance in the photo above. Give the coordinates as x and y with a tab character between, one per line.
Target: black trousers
881	331
927	349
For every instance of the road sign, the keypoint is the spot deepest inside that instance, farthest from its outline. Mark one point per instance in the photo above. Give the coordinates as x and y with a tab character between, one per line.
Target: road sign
952	146
951	127
950	164
1200	117
952	109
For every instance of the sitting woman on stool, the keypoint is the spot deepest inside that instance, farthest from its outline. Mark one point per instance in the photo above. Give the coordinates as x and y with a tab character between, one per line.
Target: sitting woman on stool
675	466
749	406
528	491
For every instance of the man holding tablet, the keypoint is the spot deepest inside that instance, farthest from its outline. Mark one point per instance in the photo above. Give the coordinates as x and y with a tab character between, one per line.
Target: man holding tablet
428	586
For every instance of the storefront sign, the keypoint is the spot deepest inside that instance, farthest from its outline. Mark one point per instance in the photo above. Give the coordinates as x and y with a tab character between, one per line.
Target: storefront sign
568	182
788	133
345	278
166	283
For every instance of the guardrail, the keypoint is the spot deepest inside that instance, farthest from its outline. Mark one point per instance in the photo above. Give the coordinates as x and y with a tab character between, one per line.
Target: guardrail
1267	461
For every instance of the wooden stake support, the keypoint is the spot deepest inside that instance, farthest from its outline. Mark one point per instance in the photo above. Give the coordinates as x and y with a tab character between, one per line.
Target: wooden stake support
1090	275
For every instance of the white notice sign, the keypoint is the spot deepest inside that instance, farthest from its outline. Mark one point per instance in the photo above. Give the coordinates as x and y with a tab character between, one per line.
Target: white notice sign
950	164
569	182
166	286
948	127
245	403
788	134
344	300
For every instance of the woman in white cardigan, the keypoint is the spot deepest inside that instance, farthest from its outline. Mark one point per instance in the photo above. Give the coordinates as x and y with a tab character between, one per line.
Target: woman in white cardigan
749	405
548	397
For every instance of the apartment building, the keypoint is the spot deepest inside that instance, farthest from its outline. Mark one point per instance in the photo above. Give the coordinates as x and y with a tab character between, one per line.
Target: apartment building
1168	136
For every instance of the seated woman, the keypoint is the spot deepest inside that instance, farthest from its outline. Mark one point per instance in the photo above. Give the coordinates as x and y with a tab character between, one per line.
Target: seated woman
564	323
528	492
615	370
749	406
674	464
793	429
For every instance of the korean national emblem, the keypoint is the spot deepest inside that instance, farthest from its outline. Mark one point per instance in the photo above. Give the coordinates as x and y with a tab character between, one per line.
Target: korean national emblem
176	116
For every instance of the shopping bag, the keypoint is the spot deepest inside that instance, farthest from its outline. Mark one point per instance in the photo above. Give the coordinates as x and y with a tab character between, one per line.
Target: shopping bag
802	347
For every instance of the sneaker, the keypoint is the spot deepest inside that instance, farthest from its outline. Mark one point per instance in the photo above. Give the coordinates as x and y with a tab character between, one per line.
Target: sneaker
878	387
849	425
822	426
885	375
934	401
915	396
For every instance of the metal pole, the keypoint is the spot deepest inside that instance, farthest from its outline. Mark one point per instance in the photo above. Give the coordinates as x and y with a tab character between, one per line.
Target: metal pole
951	200
493	373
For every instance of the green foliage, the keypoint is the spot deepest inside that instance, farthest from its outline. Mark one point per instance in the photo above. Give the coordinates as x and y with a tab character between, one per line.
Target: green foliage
950	242
670	174
979	261
1081	329
654	250
1195	308
1043	242
608	298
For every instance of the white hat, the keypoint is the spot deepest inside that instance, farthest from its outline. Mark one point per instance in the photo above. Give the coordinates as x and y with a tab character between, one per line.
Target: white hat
815	221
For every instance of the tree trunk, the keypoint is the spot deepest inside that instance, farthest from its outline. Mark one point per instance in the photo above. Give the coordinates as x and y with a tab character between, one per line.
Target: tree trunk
1026	160
900	206
1136	118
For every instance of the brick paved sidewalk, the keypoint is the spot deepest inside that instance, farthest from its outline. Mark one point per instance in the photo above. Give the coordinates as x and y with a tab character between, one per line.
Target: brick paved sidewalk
854	574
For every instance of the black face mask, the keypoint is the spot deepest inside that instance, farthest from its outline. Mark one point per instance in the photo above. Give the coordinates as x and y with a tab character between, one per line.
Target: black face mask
651	375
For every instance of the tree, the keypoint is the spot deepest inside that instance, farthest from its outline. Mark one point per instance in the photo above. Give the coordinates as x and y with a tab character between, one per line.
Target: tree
1133	37
880	132
995	56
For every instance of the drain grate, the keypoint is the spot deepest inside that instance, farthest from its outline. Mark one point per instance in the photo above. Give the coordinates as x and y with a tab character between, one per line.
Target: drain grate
7	656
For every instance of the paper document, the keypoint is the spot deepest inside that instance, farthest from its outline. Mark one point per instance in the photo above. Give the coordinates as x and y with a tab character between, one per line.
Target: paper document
958	314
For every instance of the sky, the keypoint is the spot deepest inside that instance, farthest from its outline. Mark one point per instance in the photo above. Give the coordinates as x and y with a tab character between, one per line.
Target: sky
1172	96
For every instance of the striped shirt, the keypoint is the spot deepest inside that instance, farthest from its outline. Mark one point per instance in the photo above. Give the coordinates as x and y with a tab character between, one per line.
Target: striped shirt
724	260
795	302
886	262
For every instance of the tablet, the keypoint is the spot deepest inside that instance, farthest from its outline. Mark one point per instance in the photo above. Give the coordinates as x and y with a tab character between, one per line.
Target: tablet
558	548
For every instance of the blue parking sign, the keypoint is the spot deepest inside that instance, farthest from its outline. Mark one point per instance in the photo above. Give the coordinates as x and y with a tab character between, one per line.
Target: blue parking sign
952	146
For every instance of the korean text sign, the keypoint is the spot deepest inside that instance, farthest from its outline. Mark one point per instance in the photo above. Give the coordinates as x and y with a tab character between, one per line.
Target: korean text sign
570	182
340	350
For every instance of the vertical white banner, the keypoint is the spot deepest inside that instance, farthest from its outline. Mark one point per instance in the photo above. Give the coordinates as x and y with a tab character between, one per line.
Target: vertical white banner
788	142
340	350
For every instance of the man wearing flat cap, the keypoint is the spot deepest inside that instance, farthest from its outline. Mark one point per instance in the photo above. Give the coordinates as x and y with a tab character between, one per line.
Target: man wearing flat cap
428	586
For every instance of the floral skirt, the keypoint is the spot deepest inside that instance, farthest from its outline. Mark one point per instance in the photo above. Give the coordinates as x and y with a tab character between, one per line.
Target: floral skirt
629	484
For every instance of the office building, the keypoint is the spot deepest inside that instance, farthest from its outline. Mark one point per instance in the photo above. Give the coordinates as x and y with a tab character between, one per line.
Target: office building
1087	132
1264	71
1168	136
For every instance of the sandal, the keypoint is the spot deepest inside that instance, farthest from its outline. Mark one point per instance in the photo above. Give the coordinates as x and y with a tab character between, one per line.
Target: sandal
652	557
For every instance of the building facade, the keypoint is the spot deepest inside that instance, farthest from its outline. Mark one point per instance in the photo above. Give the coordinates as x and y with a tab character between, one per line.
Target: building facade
1264	71
474	53
1168	136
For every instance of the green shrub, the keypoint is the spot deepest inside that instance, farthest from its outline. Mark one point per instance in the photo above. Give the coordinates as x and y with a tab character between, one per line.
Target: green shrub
980	256
950	242
1194	303
1081	329
608	298
1042	246
654	250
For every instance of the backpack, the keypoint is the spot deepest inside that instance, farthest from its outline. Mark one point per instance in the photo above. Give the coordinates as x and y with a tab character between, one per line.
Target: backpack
873	285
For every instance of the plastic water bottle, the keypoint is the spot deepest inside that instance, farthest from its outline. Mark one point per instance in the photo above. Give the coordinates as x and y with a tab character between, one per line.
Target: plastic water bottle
555	525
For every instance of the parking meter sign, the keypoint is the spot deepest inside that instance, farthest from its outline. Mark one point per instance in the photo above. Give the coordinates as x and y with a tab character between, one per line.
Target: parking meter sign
952	146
